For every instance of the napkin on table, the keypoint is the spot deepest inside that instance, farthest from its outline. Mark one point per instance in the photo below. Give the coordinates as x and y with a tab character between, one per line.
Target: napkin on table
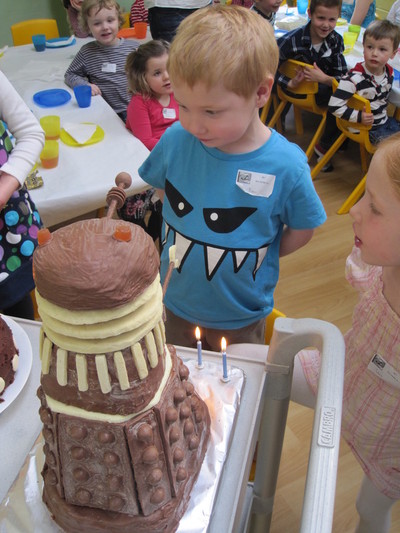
81	133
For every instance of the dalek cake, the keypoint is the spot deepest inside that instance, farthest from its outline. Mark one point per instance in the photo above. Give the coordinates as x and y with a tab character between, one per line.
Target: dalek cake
125	432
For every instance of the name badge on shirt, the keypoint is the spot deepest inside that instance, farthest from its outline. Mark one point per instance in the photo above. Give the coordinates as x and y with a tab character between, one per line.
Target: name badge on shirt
255	183
108	67
168	112
384	371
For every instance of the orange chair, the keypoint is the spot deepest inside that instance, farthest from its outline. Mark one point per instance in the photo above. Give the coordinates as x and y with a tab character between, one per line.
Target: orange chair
303	99
22	31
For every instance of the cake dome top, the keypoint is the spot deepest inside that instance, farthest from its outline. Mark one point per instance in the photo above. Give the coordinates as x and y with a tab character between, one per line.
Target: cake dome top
94	264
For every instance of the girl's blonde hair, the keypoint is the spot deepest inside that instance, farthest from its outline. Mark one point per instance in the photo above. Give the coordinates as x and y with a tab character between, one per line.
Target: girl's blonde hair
391	146
136	66
88	5
224	43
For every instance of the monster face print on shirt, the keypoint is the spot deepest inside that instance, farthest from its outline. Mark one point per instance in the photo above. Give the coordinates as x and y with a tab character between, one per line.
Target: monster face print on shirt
220	220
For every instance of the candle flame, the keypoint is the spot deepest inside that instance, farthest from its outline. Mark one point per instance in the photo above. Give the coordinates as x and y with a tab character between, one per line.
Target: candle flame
223	344
197	333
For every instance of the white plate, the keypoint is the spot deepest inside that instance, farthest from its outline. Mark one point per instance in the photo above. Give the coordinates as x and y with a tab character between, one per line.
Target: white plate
24	365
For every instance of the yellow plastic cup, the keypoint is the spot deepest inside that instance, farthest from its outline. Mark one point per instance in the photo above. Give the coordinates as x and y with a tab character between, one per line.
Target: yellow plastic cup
349	39
140	29
51	126
49	155
354	28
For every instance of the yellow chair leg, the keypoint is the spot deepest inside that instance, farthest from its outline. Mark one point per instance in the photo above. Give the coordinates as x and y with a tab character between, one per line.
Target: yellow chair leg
352	198
298	121
326	158
277	114
315	139
364	159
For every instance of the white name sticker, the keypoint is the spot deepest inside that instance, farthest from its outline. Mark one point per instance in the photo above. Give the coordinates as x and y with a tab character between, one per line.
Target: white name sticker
255	183
108	67
384	371
169	113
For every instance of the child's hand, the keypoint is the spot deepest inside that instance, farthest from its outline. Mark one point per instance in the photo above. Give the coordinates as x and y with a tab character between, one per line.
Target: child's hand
367	118
316	74
95	89
295	82
8	184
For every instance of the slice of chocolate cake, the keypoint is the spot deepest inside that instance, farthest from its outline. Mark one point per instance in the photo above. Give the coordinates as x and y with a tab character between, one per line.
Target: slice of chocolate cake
8	356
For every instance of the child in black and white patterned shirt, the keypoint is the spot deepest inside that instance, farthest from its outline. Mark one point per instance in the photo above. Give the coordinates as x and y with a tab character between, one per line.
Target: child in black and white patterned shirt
372	79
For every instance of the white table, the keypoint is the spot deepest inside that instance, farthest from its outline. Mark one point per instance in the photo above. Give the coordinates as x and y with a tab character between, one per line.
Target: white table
84	175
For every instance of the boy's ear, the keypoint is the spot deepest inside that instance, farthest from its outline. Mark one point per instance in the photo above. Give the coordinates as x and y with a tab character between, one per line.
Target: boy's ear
264	91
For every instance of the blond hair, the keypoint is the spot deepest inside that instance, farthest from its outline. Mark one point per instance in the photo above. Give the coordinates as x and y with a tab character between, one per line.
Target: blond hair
391	147
229	44
88	5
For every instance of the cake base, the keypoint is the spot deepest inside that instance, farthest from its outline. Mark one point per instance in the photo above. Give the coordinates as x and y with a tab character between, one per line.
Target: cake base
137	479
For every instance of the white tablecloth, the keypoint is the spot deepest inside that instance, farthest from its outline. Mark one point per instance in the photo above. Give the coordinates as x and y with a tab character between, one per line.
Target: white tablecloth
84	175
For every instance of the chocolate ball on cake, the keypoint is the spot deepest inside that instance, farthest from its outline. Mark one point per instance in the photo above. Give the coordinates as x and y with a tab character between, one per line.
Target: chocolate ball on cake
125	432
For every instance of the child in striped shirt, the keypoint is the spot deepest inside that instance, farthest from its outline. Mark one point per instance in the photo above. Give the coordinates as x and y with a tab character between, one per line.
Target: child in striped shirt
371	79
101	63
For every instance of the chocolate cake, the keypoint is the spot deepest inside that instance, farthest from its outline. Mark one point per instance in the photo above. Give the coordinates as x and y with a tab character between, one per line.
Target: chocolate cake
125	432
8	356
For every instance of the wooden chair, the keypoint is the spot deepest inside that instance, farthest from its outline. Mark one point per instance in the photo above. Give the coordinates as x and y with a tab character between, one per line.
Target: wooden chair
22	31
303	99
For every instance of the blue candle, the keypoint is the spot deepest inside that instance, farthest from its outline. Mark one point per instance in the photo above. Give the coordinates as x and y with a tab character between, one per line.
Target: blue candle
224	362
199	354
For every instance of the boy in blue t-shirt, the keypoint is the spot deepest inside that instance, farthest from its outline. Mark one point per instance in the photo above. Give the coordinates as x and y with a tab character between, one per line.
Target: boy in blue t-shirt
237	195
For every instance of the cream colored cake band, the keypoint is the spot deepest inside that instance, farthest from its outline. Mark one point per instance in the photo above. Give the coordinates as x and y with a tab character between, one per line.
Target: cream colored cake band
62	408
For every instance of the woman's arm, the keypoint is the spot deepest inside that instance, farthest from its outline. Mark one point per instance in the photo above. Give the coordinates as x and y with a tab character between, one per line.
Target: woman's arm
360	11
29	138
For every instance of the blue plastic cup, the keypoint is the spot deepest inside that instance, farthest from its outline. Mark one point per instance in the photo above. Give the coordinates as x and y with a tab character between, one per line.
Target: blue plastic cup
83	95
39	42
302	6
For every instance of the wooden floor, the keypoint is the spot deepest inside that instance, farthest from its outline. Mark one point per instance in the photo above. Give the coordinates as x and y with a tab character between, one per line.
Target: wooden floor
312	285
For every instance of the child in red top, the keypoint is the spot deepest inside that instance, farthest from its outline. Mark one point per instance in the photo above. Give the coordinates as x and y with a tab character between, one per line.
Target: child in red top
150	112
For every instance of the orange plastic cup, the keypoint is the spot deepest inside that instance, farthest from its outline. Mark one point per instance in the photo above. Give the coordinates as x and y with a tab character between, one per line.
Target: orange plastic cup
51	126
140	29
49	155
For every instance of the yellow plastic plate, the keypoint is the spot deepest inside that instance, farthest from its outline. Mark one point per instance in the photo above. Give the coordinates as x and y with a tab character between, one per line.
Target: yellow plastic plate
97	136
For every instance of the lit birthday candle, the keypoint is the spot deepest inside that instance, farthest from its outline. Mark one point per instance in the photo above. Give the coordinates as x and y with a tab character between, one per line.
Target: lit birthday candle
199	355
224	362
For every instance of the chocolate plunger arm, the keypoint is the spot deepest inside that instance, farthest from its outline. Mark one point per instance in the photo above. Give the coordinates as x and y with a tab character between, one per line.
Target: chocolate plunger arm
116	196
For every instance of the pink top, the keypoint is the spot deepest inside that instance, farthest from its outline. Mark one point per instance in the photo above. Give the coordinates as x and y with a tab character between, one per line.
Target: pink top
371	406
147	119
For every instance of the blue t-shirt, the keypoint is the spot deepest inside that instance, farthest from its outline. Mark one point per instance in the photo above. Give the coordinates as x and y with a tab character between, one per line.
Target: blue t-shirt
225	213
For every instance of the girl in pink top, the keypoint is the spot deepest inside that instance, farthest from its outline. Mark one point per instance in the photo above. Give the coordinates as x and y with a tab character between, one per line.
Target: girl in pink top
150	112
371	398
152	108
